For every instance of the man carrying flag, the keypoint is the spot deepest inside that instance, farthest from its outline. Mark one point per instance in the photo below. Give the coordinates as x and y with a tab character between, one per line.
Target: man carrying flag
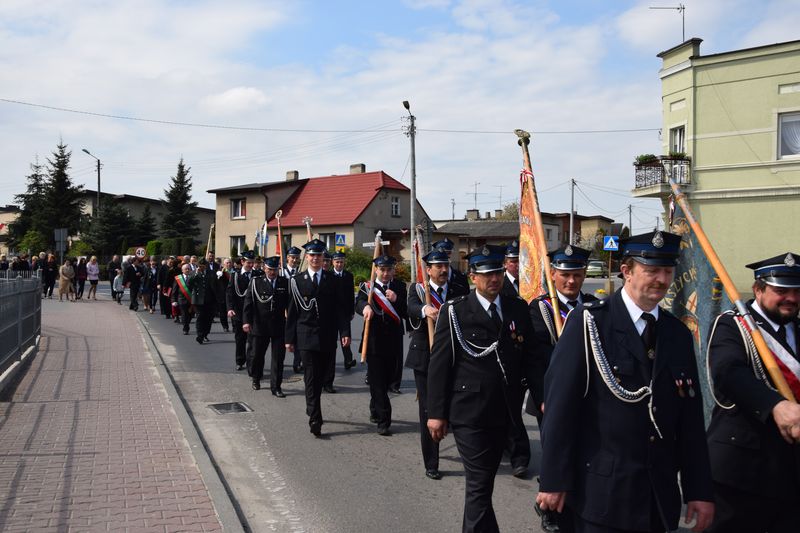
754	431
385	343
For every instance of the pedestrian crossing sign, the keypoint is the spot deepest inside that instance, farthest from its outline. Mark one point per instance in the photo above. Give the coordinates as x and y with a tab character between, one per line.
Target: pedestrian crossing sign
340	239
611	243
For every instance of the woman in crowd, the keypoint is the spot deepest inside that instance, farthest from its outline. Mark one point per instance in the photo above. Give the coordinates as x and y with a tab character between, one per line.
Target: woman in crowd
93	275
49	275
80	277
67	276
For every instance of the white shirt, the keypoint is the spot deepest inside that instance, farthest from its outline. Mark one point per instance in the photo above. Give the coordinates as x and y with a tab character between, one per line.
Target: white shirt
486	303
636	312
564	300
311	274
513	280
338	272
435	288
790	340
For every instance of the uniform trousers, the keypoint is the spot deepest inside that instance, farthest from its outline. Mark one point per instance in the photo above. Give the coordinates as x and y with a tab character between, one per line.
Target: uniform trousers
166	306
205	316
186	316
240	340
134	297
315	365
569	522
738	511
518	446
348	356
397	371
430	448
380	372
481	450
222	312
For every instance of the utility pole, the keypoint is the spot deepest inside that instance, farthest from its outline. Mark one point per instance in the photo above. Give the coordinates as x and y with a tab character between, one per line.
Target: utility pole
98	178
630	220
475	195
412	131
571	210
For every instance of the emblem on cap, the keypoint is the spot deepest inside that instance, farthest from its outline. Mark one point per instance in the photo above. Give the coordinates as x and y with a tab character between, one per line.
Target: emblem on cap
485	251
658	240
568	250
789	261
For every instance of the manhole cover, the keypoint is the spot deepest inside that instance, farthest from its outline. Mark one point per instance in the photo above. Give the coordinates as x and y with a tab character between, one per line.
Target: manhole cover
230	407
292	379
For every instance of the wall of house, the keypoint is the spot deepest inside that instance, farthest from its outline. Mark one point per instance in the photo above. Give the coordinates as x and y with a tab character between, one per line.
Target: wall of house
226	227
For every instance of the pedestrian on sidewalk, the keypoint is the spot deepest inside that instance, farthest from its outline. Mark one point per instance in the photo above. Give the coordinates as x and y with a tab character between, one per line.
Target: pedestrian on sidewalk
133	280
93	275
111	272
80	277
118	286
67	275
49	275
150	285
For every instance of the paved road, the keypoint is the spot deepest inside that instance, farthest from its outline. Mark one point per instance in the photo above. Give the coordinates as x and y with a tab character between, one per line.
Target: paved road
284	479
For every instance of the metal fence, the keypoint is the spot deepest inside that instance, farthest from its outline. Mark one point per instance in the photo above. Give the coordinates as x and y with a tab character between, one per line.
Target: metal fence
20	316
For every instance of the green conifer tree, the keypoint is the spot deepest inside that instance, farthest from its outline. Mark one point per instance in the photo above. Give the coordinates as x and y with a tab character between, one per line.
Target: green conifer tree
180	219
30	203
63	201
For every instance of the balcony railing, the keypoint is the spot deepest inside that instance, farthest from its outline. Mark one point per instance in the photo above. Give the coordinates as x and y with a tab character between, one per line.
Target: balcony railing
657	172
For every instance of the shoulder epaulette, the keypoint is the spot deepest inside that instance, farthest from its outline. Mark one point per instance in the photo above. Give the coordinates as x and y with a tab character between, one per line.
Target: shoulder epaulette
596	304
457	300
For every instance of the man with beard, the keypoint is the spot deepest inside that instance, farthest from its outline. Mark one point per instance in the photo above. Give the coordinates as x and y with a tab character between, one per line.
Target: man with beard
482	352
234	302
264	317
315	316
618	435
437	265
754	431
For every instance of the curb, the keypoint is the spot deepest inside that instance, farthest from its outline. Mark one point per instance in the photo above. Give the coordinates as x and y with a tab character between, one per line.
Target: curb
227	511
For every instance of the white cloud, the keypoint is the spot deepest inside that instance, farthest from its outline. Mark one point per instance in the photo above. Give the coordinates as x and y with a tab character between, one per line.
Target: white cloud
236	100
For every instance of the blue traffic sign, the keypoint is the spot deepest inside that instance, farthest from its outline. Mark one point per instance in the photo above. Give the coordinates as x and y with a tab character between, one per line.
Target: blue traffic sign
340	239
611	243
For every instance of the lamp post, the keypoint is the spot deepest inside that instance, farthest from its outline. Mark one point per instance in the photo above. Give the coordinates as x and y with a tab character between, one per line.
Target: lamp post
412	130
98	178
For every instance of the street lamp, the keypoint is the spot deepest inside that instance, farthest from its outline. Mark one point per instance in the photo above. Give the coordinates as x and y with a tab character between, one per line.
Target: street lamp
98	178
412	130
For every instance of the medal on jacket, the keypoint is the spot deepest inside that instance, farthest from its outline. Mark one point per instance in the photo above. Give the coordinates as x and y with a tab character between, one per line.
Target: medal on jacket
691	389
513	328
679	384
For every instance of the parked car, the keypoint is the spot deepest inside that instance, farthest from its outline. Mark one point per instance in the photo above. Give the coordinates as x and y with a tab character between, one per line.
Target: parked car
596	269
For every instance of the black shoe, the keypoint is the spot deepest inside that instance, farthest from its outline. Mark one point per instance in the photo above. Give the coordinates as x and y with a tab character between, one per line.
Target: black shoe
520	471
316	429
279	393
433	473
199	339
349	364
549	519
395	390
185	332
384	432
366	380
205	338
373	419
256	384
239	367
329	389
226	330
298	369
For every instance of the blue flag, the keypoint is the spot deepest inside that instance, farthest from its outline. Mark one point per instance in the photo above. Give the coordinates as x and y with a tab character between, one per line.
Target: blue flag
696	296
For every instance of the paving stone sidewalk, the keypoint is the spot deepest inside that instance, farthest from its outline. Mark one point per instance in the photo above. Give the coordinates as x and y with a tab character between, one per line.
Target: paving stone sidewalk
89	440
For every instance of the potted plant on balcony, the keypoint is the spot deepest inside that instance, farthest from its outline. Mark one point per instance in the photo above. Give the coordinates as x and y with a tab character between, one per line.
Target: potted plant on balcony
646	160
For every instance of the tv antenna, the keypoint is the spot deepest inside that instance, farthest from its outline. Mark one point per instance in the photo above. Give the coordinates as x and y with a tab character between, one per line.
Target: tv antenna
681	9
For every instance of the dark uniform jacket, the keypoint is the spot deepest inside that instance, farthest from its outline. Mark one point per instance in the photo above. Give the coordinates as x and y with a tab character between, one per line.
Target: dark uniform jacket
508	288
746	448
346	288
606	453
265	308
203	285
456	277
238	284
385	335
419	349
472	391
544	342
316	328
133	275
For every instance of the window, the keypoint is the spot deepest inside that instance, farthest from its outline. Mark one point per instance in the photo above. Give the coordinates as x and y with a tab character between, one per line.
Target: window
237	244
677	138
395	206
789	135
239	208
549	233
329	239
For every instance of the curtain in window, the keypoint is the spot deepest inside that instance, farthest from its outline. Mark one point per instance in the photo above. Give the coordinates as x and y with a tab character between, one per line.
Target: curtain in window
790	135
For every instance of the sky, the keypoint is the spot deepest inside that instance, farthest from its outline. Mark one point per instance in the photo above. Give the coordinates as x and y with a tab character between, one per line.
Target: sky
245	90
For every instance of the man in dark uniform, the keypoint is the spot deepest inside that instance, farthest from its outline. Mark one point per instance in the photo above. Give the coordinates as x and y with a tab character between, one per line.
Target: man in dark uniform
223	280
345	280
203	285
291	268
621	422
133	280
315	316
455	275
482	353
385	316
264	317
568	272
437	266
182	296
754	431
511	264
234	300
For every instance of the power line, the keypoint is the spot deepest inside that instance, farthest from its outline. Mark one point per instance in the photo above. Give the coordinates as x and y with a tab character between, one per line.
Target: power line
533	132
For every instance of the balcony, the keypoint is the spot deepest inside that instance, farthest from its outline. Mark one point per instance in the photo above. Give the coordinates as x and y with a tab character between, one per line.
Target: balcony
652	174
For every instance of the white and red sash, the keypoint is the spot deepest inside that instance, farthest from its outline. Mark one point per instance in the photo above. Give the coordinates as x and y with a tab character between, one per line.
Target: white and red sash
789	366
436	300
379	298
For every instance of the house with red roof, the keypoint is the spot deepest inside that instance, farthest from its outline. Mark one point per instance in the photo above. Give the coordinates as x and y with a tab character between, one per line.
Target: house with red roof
342	210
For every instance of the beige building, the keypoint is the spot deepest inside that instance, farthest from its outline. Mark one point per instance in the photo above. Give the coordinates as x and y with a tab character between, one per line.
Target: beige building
731	124
344	211
8	214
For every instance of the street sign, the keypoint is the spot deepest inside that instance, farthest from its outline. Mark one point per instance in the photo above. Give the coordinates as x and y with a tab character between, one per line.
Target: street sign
611	243
341	240
372	244
141	252
60	234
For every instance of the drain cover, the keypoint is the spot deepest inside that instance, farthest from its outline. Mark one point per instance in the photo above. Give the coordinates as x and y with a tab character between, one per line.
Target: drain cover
230	407
292	379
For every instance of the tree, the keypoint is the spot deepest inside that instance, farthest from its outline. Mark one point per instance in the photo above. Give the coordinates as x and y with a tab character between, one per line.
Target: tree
510	212
30	203
33	241
180	219
109	229
144	228
63	203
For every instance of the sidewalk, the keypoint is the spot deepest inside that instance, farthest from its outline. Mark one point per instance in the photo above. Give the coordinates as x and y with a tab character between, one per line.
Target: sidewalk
90	440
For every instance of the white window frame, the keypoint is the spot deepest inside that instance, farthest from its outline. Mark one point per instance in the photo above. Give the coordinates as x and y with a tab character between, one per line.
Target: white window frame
238	208
795	116
238	241
329	239
395	203
677	139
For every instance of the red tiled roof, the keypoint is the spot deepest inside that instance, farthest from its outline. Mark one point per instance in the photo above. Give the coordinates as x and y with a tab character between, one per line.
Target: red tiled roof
334	200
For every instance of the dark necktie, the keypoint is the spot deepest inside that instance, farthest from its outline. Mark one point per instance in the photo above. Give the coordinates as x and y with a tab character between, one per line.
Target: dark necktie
440	292
495	316
649	335
572	304
316	280
516	284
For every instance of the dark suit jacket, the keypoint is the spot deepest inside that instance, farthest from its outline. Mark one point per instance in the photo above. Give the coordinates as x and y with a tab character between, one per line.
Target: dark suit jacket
317	328
456	277
747	451
266	319
419	349
605	452
508	288
238	282
385	335
472	391
177	294
133	275
346	287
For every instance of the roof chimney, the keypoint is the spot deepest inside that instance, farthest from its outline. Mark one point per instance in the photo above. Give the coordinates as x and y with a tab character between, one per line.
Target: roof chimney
358	168
488	215
473	214
292	175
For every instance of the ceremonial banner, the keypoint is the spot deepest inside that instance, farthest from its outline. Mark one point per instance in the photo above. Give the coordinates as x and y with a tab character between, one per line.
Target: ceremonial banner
532	248
696	296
